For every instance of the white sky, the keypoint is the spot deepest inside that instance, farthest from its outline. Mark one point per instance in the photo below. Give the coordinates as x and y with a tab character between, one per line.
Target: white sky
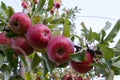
102	8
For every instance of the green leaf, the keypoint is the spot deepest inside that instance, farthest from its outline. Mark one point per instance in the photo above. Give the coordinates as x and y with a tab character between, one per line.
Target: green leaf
40	5
50	4
117	44
10	11
36	61
93	36
116	70
57	20
50	65
1	59
12	58
45	70
103	34
79	56
113	32
29	76
107	52
66	31
3	5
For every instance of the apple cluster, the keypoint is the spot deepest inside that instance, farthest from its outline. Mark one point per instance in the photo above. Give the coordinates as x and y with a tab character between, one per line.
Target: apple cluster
38	37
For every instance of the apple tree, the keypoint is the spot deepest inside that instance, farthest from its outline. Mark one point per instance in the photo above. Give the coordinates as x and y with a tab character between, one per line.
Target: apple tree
40	43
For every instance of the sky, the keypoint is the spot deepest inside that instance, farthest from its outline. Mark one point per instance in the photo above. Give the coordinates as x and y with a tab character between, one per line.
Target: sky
95	13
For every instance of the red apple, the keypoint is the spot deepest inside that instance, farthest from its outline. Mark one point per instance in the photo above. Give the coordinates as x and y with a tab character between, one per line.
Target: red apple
36	1
4	39
84	66
57	5
24	5
20	22
21	46
59	49
38	36
79	78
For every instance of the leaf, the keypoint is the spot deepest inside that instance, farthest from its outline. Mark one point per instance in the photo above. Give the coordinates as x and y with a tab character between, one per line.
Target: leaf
10	11
107	52
50	65
50	4
12	58
79	56
103	34
29	76
117	44
116	70
36	19
45	70
66	31
1	59
40	5
113	32
3	5
36	61
93	36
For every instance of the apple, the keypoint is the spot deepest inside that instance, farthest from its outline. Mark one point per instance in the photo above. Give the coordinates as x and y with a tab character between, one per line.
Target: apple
38	36
21	46
20	22
59	49
57	5
36	1
4	39
84	66
24	5
79	78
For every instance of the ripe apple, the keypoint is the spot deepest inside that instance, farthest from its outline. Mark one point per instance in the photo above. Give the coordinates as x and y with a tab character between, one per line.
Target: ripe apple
24	5
79	78
21	46
4	39
20	22
36	1
59	48
38	36
57	5
84	66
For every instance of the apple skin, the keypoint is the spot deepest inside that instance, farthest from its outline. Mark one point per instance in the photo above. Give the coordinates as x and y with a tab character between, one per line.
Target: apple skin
79	78
20	22
36	1
24	5
4	39
38	36
21	46
59	49
84	66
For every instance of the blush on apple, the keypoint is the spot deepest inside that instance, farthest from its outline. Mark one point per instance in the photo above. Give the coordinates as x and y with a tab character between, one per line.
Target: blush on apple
20	22
4	39
38	36
59	49
84	66
21	46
